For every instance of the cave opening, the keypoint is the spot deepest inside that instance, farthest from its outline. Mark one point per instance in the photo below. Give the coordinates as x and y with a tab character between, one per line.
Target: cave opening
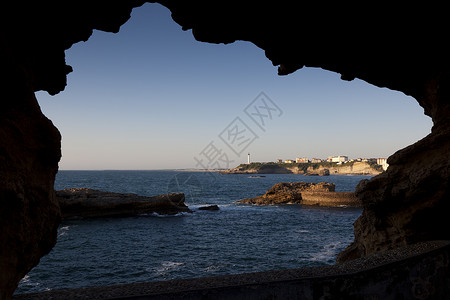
180	97
159	74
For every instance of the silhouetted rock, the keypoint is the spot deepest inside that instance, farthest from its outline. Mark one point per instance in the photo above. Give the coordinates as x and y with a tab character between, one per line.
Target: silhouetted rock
89	203
29	155
409	202
209	207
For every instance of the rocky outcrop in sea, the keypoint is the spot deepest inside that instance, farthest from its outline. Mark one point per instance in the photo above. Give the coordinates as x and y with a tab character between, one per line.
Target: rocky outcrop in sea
306	193
90	203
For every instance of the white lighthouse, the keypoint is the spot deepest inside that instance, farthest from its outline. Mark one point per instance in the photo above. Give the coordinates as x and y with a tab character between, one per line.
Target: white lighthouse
248	158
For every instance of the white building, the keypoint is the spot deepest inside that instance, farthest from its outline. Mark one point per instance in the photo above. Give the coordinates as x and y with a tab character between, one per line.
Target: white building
301	160
383	163
337	159
316	160
288	161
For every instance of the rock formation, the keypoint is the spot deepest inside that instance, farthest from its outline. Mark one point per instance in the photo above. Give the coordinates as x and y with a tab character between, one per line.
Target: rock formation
266	169
89	203
353	168
407	203
209	207
337	199
321	194
407	52
320	172
29	155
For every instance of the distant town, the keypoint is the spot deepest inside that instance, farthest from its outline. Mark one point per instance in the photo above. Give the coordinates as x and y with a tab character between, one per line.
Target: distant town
339	159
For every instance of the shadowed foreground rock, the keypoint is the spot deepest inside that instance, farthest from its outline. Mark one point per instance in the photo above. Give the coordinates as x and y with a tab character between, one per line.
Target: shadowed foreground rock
89	203
321	194
29	155
408	203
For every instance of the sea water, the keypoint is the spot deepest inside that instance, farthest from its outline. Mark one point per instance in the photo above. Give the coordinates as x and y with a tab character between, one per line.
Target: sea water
238	238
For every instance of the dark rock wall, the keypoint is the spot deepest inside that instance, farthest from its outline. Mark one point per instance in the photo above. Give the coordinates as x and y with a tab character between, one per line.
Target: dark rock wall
33	37
29	155
403	50
409	202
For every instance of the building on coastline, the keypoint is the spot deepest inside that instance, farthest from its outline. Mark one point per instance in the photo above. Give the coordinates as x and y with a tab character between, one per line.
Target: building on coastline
316	160
302	160
288	161
337	159
383	163
366	159
279	160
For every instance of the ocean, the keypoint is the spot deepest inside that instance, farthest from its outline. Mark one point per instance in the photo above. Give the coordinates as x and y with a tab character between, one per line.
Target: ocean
239	238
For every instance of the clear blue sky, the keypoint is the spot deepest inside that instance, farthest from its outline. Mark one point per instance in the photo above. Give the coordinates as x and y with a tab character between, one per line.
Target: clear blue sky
151	97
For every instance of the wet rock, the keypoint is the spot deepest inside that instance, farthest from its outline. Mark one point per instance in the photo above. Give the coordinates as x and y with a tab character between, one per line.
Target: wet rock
209	207
322	193
330	199
89	203
305	193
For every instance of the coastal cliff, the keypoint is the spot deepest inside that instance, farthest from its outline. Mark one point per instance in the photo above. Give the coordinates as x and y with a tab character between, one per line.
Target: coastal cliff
89	203
320	194
408	203
321	169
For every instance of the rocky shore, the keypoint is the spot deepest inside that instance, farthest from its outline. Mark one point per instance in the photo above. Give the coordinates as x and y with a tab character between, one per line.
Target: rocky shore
319	169
320	194
90	203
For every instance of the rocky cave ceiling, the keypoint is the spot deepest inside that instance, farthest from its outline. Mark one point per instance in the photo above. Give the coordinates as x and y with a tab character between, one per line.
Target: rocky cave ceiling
397	49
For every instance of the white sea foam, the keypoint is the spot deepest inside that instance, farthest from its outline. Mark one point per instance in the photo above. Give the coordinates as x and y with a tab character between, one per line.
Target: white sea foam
62	231
328	252
27	281
168	266
211	268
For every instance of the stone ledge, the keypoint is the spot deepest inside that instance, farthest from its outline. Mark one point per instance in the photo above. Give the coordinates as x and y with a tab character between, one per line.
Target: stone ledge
90	203
330	199
415	271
